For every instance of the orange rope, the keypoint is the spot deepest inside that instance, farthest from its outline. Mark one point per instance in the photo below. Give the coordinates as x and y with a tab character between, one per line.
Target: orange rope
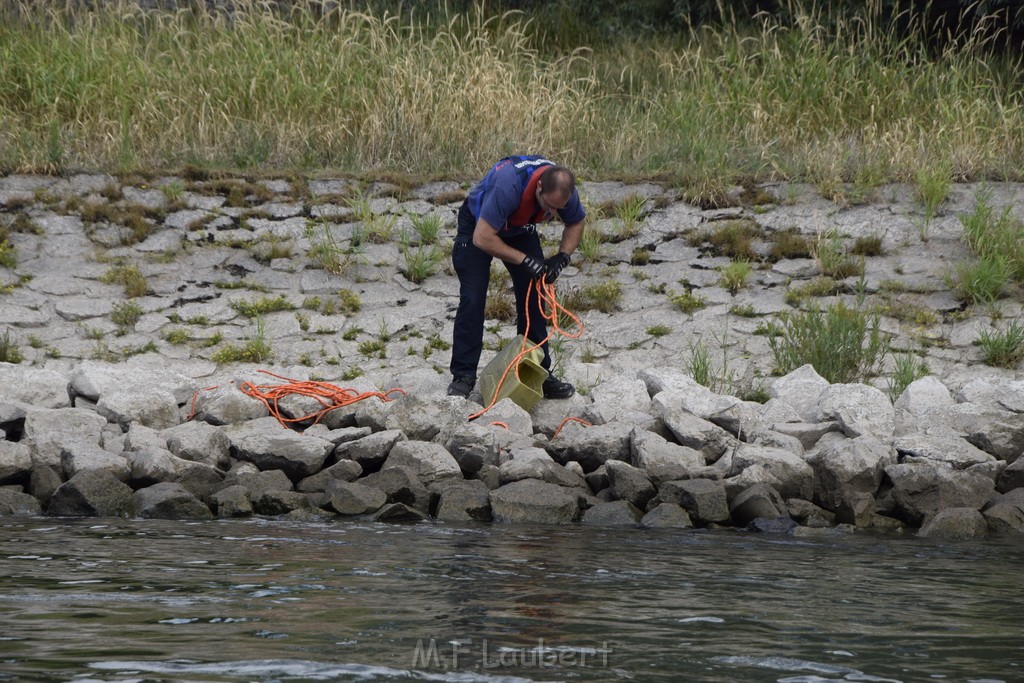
550	310
497	423
568	420
196	396
328	395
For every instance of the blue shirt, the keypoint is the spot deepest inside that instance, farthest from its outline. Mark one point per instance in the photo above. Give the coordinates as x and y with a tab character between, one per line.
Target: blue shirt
503	191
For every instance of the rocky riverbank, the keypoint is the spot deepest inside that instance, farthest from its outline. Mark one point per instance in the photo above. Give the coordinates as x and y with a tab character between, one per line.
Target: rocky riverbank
127	299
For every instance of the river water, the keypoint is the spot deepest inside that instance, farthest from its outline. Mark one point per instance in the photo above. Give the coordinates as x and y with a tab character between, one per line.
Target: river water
260	600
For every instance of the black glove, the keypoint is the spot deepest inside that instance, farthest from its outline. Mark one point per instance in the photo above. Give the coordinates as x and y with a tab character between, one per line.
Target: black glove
554	265
534	267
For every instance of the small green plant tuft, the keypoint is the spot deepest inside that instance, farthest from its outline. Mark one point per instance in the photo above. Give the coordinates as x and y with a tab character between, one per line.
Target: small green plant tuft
790	244
659	330
1003	348
427	227
868	246
603	296
832	259
628	212
9	351
843	344
177	336
908	368
734	276
129	277
744	311
125	315
641	256
688	302
262	306
933	183
254	350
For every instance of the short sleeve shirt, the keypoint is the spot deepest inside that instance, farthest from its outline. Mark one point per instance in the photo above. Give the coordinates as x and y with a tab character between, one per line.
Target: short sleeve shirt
501	192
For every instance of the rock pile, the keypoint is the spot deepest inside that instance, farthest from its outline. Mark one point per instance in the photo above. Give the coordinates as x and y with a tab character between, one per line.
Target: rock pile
661	451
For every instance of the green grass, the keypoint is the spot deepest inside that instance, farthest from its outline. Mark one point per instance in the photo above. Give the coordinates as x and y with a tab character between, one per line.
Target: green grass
604	296
908	368
262	306
659	330
628	212
129	277
843	344
420	262
790	244
590	244
932	184
734	276
830	255
688	302
833	99
125	315
177	336
817	287
427	227
733	238
1003	348
9	351
997	239
255	350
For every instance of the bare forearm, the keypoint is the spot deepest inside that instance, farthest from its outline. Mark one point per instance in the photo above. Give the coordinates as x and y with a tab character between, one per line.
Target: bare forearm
571	237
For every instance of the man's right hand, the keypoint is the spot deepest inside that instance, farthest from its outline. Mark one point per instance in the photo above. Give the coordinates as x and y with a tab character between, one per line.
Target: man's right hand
534	267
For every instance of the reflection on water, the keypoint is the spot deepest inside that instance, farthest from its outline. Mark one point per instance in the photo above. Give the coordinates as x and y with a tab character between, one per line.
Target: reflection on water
267	600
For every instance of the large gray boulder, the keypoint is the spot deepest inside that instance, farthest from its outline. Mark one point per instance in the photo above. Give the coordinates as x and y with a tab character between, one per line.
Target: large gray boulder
859	409
269	446
704	500
155	465
505	412
227	405
80	457
199	442
629	483
808	434
419	418
430	461
401	485
232	501
535	463
922	489
33	386
345	470
998	433
463	501
140	436
534	502
619	513
619	398
961	524
995	391
94	380
169	500
947	448
275	503
663	461
801	389
685	392
15	461
370	451
667	516
759	501
257	482
93	493
473	446
48	432
1005	516
849	473
17	503
593	446
1012	477
351	498
691	431
794	477
923	396
152	407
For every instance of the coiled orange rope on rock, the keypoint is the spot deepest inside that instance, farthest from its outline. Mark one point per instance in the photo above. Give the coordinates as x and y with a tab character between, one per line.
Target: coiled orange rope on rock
329	396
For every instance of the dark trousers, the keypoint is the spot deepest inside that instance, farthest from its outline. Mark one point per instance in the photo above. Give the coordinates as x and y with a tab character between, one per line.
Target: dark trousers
473	267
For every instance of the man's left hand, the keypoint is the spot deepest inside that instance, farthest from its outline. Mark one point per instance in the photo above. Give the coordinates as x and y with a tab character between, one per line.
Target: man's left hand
553	266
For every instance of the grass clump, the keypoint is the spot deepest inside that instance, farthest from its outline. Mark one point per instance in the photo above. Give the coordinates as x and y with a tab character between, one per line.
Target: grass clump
262	306
427	227
9	351
177	336
843	344
125	315
500	304
688	302
129	277
870	245
1003	348
908	369
590	244
603	296
640	257
255	350
832	259
997	239
659	330
734	239
816	287
790	244
734	276
931	185
420	262
628	213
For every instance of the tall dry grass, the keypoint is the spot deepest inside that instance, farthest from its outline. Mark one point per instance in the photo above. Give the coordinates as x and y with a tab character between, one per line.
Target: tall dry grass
121	89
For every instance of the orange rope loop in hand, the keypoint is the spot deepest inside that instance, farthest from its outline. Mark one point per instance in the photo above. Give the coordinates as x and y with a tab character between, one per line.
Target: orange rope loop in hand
329	396
550	310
